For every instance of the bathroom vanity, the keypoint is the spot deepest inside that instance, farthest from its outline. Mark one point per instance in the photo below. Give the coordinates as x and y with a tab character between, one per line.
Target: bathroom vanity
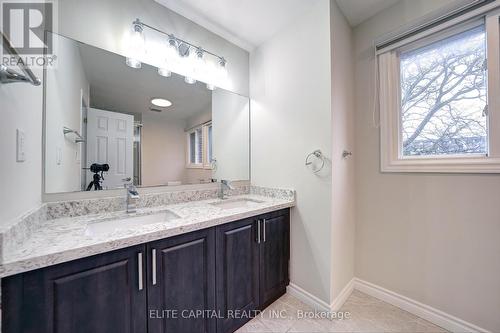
225	260
155	257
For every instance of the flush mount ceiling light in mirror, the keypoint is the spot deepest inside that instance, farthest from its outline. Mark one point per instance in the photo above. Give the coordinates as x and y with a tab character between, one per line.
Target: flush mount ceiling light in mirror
161	102
177	55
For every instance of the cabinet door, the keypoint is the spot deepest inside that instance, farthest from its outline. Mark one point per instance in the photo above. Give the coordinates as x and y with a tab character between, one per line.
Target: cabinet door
274	256
181	283
237	260
99	294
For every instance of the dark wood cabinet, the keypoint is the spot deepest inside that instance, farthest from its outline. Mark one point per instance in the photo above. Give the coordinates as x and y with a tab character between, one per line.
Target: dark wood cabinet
182	281
99	294
252	258
237	261
274	256
207	281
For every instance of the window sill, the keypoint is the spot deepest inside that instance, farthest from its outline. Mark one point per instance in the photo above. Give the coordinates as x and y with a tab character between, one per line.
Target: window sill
443	165
194	166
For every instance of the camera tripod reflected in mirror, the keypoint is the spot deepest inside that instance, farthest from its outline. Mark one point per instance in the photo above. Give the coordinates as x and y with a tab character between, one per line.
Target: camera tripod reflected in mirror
98	170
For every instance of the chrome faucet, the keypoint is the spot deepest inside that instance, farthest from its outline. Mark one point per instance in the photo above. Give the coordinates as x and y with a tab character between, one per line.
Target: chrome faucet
132	198
224	184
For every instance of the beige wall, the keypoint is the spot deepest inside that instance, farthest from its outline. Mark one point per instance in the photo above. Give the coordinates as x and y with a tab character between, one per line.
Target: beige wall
431	237
163	149
291	116
164	145
343	181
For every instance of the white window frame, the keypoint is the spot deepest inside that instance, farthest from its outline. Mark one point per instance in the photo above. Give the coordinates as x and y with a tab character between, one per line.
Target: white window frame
390	107
189	164
205	164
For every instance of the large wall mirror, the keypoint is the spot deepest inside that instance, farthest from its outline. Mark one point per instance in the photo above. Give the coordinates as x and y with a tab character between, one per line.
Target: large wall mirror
107	125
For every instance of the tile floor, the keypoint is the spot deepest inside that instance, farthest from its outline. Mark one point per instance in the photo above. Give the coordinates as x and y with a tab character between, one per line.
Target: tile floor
367	314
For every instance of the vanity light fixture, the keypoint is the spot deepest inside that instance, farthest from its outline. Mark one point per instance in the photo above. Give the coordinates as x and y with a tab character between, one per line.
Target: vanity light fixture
161	102
178	52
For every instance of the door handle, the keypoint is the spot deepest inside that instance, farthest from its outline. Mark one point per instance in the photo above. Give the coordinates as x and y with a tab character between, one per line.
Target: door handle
258	231
264	229
126	179
153	269
139	267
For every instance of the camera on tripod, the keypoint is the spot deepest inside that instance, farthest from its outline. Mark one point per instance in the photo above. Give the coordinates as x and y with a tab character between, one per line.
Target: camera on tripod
96	182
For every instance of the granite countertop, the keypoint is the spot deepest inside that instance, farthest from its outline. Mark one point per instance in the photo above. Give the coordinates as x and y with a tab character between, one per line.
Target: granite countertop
65	239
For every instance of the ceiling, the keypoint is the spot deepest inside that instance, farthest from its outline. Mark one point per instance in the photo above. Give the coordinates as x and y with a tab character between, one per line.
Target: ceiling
246	23
249	23
117	87
358	11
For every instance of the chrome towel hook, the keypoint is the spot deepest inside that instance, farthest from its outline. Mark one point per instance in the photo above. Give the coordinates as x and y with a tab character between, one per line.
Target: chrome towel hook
319	155
346	154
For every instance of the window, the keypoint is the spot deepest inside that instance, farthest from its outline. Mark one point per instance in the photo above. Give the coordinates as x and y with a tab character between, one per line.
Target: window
199	147
443	97
196	146
435	111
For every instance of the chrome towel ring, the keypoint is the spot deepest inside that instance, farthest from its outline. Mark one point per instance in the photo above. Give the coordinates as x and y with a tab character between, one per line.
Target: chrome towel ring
319	155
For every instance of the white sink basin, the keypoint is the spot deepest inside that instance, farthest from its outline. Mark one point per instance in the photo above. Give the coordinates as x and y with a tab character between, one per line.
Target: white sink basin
236	203
109	226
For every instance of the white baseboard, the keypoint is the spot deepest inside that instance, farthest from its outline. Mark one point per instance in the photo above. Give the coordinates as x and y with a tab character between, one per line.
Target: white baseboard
307	298
438	317
319	304
342	297
435	316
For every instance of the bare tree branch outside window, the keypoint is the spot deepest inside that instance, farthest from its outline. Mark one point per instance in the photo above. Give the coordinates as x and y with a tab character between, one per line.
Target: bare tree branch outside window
443	96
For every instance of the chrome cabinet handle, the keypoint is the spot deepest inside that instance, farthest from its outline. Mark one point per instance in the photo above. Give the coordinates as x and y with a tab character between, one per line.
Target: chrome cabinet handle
258	231
139	265
153	254
264	229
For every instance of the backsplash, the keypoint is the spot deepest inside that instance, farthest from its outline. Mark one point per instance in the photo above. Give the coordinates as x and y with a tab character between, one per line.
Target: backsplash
22	228
74	208
272	192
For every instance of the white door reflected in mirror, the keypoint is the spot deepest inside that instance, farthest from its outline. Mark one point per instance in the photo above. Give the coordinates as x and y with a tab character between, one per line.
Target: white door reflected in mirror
110	137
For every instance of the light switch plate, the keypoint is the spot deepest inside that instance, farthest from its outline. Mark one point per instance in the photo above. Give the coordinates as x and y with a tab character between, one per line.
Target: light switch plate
20	146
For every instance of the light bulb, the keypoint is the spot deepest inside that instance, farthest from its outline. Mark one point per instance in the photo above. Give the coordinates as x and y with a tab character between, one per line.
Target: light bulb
189	63
200	65
189	80
164	72
136	46
131	62
171	56
210	74
222	68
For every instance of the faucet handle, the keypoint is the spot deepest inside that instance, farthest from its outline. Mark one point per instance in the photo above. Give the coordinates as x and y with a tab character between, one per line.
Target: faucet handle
228	183
132	189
